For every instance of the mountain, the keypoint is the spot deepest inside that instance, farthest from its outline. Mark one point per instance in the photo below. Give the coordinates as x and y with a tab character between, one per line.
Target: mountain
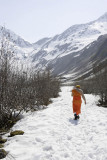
69	54
14	38
55	51
80	64
21	47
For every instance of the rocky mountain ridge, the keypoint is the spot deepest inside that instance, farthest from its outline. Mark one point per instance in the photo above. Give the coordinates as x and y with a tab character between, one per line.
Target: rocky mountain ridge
62	52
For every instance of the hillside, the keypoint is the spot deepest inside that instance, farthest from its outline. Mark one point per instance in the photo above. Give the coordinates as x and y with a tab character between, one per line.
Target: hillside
17	44
82	62
70	54
55	51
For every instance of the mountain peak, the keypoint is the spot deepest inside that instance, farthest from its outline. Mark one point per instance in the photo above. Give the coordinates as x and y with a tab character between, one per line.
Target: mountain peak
103	18
16	39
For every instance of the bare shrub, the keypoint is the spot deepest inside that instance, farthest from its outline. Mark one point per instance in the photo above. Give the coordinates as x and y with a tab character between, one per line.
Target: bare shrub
97	85
100	83
46	86
21	90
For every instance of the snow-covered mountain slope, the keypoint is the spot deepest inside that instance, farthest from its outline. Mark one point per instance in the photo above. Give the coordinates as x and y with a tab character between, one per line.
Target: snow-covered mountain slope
80	64
70	41
52	134
20	47
17	40
62	51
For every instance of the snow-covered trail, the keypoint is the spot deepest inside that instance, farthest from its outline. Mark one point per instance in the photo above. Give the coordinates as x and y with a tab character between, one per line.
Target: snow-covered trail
52	134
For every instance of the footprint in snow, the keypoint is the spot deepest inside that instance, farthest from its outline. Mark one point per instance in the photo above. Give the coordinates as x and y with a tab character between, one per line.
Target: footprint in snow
47	148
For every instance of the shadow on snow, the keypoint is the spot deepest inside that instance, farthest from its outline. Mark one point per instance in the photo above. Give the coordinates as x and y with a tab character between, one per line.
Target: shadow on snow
75	122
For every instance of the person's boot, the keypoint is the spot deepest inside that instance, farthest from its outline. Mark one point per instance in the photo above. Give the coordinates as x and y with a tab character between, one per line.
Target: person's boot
75	116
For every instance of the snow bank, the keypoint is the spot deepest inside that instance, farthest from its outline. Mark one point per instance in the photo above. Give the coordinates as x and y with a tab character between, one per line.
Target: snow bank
52	134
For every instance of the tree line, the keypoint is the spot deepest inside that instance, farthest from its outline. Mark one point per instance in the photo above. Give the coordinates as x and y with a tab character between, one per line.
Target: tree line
20	89
97	84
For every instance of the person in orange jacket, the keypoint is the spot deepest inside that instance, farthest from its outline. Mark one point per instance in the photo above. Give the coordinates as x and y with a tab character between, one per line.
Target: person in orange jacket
77	93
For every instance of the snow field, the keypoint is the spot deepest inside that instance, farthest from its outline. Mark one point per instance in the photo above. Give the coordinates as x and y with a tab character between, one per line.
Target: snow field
52	134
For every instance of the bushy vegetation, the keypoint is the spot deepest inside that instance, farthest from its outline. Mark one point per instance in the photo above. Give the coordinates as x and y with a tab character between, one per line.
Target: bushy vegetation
22	90
97	85
100	83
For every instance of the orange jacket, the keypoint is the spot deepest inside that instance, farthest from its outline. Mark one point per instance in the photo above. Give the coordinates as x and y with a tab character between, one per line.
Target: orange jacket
76	101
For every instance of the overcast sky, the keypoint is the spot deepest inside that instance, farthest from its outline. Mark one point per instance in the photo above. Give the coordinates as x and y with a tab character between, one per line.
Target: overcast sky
36	19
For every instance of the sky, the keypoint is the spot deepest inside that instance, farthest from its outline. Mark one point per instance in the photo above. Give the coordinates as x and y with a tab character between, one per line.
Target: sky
36	19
